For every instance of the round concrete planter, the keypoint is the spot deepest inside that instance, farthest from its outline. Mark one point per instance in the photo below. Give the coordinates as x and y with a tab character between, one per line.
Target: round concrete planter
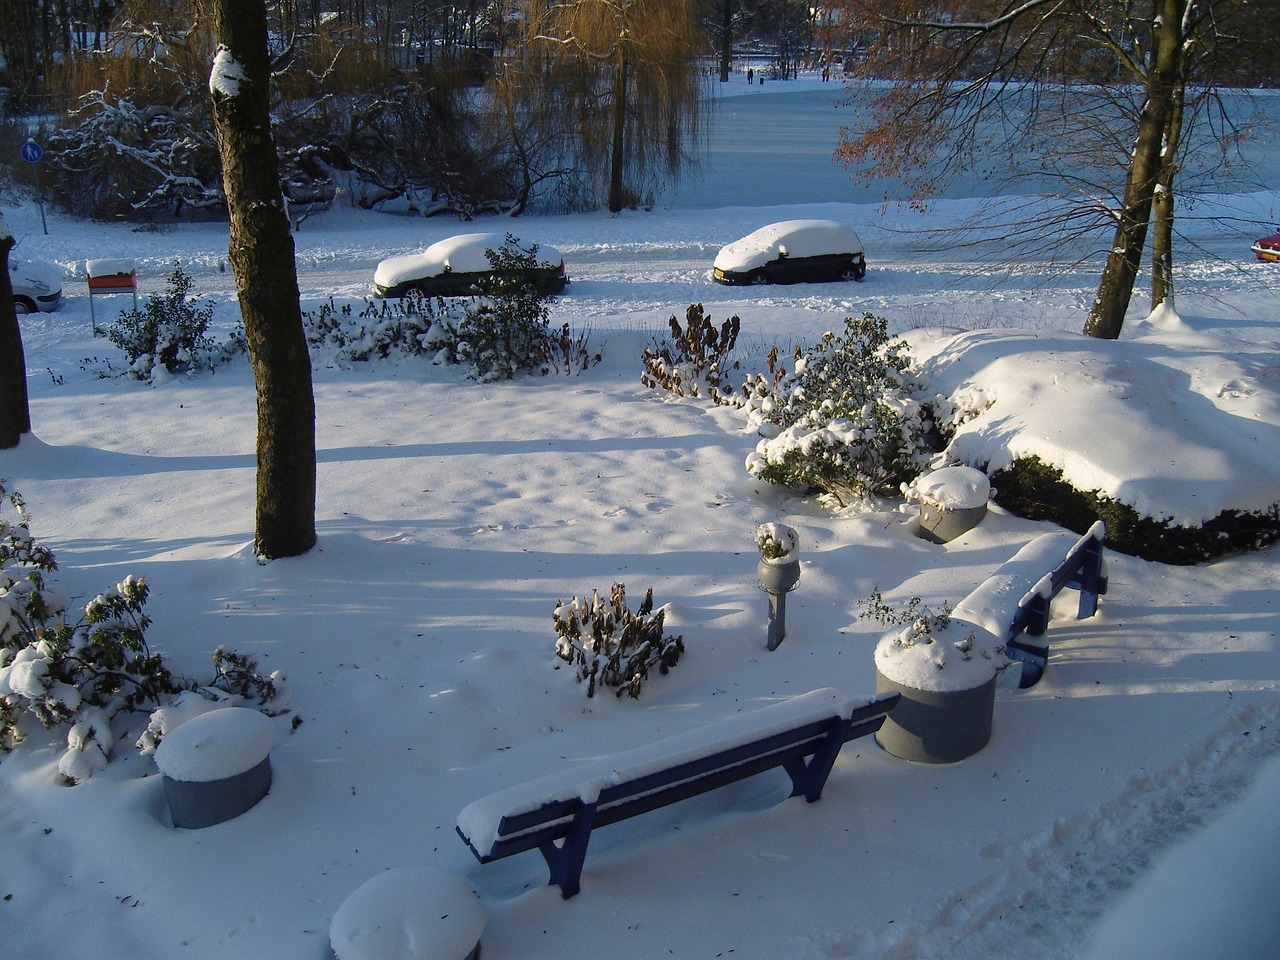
216	766
940	524
952	501
409	914
937	726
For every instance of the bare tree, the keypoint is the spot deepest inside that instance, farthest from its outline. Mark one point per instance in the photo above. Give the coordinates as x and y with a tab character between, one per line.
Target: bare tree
15	413
261	252
620	77
959	64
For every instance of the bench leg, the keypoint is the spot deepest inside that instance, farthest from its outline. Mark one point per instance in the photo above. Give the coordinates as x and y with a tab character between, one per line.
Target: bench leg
565	860
808	778
1092	583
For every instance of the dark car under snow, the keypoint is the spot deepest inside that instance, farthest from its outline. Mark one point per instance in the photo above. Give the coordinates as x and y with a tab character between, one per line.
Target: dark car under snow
793	251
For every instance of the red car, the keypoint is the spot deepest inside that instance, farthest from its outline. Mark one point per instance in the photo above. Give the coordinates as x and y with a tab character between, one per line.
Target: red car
1268	248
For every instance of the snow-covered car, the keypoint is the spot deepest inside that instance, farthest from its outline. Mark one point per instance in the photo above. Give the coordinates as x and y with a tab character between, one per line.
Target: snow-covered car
793	251
453	267
1268	248
37	285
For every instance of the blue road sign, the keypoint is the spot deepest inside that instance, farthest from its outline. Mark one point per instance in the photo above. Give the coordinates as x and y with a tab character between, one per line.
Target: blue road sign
31	152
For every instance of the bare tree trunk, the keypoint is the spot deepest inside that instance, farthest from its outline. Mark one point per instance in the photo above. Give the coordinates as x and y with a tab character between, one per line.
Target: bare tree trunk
1162	209
15	413
261	251
726	39
616	161
1115	289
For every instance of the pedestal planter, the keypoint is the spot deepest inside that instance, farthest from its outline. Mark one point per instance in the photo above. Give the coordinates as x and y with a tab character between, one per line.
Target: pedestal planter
952	501
409	914
778	572
216	766
947	680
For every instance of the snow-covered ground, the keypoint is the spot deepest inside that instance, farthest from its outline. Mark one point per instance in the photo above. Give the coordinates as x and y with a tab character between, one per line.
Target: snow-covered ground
452	516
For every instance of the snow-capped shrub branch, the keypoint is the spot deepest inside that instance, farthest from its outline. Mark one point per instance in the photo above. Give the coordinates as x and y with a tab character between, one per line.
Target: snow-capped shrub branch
505	330
608	644
171	332
82	671
695	361
846	421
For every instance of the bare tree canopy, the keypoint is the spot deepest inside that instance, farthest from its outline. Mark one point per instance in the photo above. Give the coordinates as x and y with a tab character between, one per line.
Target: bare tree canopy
620	79
972	79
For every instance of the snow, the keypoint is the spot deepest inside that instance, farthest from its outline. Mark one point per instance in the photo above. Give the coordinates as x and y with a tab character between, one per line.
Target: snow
960	656
453	515
227	75
108	267
408	914
215	745
953	488
792	238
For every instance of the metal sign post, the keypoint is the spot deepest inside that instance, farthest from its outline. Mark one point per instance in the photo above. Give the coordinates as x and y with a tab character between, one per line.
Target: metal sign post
32	152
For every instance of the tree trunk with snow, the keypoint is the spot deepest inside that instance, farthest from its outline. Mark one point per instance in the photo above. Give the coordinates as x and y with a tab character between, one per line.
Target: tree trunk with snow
1162	209
261	252
15	413
1115	288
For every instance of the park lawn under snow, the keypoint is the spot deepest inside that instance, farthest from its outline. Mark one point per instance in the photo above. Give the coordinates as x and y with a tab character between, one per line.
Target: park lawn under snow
453	516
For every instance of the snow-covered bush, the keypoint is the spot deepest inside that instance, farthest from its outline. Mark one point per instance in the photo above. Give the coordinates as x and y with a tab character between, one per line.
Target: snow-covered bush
82	673
609	644
695	361
171	332
415	326
505	330
846	421
777	541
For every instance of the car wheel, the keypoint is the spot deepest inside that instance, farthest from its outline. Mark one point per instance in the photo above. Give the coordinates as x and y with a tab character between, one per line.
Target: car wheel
758	277
849	272
22	305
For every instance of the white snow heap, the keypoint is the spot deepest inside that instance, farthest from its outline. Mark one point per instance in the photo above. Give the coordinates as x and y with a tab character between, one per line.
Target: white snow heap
1179	425
957	656
953	488
215	745
408	914
227	75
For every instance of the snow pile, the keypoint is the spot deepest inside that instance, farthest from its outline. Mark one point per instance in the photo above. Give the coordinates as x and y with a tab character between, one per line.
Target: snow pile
410	913
1177	424
227	75
215	745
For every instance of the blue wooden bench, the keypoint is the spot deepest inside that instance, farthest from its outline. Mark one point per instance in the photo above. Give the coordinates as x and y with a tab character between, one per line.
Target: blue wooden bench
556	814
1014	601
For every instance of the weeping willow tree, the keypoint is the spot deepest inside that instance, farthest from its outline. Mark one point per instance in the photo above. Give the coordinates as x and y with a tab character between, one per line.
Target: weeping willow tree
617	81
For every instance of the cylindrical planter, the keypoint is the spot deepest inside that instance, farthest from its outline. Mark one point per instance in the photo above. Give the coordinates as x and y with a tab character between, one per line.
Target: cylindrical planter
216	766
937	726
940	524
409	914
952	501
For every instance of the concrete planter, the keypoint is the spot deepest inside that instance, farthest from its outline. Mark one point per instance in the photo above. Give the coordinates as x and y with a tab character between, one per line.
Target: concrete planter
216	766
937	726
939	524
952	501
